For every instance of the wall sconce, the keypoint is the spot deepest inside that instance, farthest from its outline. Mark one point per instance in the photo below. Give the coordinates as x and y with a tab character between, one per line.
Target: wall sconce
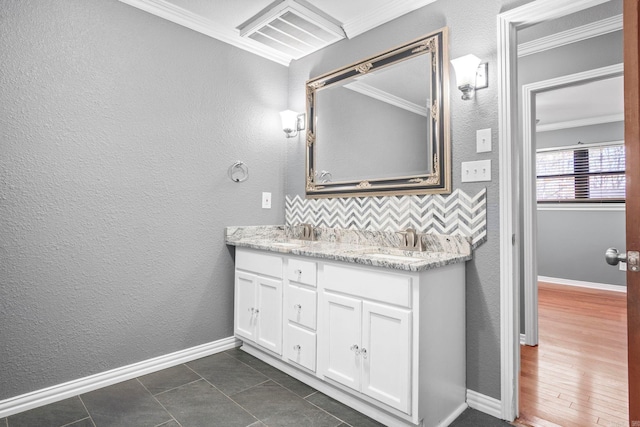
470	75
292	122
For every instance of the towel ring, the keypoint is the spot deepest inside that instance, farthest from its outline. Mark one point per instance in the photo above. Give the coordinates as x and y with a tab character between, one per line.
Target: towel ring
238	172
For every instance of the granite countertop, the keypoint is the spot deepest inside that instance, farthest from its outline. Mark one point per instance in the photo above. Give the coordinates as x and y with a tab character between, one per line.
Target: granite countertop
377	249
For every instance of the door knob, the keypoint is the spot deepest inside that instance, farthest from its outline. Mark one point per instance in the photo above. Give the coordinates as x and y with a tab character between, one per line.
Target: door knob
613	257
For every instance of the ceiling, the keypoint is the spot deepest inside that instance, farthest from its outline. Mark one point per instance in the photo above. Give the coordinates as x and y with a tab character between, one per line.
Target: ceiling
221	19
600	101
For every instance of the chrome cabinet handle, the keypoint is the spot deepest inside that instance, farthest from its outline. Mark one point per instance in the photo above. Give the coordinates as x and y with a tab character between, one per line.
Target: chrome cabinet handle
297	307
297	348
355	349
363	351
298	272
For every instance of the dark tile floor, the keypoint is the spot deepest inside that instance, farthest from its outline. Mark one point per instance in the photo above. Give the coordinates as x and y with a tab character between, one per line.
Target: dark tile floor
227	389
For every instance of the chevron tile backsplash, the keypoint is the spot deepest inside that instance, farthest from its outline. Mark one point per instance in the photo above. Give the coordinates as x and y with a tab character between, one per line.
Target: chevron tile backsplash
455	214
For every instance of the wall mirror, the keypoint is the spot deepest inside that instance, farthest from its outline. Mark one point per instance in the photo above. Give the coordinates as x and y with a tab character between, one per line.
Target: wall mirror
381	126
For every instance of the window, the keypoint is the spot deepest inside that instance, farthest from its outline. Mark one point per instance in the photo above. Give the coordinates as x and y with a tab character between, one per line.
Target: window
581	173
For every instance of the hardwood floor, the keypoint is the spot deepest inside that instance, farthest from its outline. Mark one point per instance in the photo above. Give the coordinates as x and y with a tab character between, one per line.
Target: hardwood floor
577	375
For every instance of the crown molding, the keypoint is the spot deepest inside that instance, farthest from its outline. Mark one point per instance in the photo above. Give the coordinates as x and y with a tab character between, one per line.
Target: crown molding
377	16
365	22
380	95
573	35
180	16
582	122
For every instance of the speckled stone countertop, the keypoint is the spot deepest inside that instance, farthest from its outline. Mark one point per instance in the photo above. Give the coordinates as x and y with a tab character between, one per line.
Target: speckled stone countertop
372	248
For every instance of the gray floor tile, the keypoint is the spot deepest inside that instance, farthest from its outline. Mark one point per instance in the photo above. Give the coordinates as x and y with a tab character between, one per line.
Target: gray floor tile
341	411
168	378
473	418
3	422
82	423
125	404
171	423
278	407
227	373
287	381
199	404
258	424
55	414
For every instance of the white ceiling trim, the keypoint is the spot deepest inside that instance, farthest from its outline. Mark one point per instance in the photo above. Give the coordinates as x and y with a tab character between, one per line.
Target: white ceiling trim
381	95
180	16
368	20
582	122
377	16
573	35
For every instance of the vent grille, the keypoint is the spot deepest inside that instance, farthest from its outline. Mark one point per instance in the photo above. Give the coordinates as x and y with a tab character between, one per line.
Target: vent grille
292	29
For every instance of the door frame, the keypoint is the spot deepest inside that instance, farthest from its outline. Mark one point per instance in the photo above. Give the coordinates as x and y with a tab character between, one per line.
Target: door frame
507	26
529	226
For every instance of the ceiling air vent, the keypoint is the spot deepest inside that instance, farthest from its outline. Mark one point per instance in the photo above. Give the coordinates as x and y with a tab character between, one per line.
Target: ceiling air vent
292	28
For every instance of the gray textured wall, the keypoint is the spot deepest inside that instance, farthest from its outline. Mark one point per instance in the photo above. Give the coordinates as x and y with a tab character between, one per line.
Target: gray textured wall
472	29
116	132
571	245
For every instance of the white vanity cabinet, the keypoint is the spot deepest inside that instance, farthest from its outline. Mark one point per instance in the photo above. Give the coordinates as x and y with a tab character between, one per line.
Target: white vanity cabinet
258	299
365	340
389	343
300	302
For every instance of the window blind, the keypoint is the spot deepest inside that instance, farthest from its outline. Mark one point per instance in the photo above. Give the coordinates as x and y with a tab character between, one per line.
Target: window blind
580	173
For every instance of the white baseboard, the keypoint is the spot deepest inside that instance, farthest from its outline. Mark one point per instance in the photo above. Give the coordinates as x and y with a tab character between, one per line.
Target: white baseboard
523	339
62	391
582	284
485	404
451	418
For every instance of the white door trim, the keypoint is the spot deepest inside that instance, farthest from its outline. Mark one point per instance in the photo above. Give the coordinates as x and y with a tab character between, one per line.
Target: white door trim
507	25
530	241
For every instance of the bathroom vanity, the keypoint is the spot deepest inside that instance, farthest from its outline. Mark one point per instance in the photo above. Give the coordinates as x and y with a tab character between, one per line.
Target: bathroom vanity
378	329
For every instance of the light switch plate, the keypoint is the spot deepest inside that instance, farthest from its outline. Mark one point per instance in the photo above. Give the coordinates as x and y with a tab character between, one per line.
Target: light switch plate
483	140
477	171
266	200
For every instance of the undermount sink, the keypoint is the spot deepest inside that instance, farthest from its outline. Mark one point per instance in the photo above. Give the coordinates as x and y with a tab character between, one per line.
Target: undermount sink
404	258
287	244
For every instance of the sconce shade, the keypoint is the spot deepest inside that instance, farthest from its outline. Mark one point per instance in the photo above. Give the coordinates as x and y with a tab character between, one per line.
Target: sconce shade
289	120
466	68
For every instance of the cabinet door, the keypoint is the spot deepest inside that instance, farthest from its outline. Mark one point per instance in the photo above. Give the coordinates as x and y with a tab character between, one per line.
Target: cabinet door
340	336
245	297
269	314
386	354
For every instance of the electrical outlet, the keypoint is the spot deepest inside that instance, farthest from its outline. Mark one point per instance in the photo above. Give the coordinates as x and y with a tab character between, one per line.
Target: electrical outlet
483	140
266	200
479	170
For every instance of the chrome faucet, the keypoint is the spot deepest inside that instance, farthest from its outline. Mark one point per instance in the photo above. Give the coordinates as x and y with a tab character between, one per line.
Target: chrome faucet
411	240
307	232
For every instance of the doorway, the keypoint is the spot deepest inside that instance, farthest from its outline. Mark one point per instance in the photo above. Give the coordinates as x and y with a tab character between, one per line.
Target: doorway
510	176
578	114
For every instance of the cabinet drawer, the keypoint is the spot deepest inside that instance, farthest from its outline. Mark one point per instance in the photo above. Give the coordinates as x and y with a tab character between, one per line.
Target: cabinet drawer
301	271
259	262
375	285
301	306
301	347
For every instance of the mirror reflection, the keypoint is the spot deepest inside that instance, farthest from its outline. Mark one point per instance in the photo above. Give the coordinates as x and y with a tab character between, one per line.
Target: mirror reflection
347	128
380	126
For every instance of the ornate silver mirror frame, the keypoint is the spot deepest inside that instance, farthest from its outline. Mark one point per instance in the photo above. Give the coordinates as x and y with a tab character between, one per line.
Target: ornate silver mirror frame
437	179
